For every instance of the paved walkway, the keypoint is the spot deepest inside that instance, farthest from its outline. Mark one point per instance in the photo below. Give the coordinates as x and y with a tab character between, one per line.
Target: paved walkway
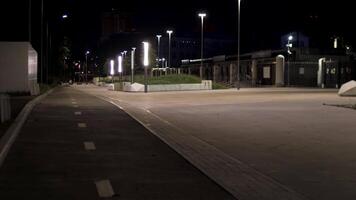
267	143
76	146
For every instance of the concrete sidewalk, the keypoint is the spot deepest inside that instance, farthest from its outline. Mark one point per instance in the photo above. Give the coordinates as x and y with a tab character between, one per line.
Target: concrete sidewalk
76	146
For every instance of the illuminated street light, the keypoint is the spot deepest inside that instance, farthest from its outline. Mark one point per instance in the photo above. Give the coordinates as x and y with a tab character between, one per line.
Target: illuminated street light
169	32
146	62
86	66
158	48
336	41
65	16
112	67
289	46
119	60
202	16
290	38
132	64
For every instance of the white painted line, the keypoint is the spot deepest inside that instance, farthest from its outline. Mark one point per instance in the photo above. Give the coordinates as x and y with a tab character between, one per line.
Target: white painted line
120	107
76	106
114	99
74	102
89	146
78	113
82	125
104	189
148	111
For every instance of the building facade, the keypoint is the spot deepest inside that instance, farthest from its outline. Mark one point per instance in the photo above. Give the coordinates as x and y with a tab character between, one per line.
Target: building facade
303	67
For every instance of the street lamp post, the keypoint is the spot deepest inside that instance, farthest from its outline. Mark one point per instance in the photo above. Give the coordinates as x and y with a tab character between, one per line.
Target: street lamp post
202	16
86	66
112	70
119	63
158	49
146	62
289	46
132	64
169	32
238	43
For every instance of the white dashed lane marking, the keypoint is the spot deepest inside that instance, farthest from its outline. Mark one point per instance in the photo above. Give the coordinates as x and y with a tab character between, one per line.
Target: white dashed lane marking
78	113
89	146
104	189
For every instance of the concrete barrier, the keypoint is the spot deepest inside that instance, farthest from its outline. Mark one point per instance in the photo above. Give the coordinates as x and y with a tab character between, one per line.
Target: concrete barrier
5	108
136	87
348	89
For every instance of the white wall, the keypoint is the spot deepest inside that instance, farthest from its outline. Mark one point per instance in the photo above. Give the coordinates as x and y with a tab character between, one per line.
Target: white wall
18	67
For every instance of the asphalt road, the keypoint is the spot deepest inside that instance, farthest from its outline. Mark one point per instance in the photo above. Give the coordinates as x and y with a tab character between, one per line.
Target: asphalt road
76	146
286	135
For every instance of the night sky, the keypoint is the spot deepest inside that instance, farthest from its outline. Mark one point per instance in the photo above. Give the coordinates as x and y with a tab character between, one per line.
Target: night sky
263	22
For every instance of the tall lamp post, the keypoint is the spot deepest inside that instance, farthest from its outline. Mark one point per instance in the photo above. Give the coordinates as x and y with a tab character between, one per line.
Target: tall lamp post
86	66
238	43
158	49
112	70
169	32
132	64
289	46
146	62
202	16
119	69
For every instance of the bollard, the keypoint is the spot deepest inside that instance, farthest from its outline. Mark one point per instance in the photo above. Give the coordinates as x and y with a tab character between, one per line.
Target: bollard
5	108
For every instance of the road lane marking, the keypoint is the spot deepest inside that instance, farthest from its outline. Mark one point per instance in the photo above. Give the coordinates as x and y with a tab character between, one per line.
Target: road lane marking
76	106
89	146
78	113
104	189
82	125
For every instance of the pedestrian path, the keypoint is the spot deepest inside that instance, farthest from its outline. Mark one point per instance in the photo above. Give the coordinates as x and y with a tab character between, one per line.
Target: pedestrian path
76	146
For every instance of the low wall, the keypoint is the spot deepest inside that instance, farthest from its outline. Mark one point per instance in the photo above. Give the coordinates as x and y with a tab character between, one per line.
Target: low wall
205	85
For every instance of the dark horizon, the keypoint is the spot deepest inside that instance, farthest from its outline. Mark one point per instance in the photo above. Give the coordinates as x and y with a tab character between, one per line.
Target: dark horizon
262	22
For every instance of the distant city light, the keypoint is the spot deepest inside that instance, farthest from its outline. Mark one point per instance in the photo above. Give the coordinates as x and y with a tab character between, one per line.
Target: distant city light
146	51
65	16
87	53
290	38
112	67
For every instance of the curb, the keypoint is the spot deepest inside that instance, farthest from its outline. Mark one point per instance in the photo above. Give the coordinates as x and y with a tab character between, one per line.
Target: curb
11	134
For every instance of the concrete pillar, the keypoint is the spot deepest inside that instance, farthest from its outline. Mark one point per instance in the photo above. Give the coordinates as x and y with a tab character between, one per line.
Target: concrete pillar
321	72
179	71
231	73
254	72
216	73
201	72
280	65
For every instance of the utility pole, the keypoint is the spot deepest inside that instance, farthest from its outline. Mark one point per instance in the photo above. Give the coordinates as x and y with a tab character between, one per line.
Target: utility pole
41	59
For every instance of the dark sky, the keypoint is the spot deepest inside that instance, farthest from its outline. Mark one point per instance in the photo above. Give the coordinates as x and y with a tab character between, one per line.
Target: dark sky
262	21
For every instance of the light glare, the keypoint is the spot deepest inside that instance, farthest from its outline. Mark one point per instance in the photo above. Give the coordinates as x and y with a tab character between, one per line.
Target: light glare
145	58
